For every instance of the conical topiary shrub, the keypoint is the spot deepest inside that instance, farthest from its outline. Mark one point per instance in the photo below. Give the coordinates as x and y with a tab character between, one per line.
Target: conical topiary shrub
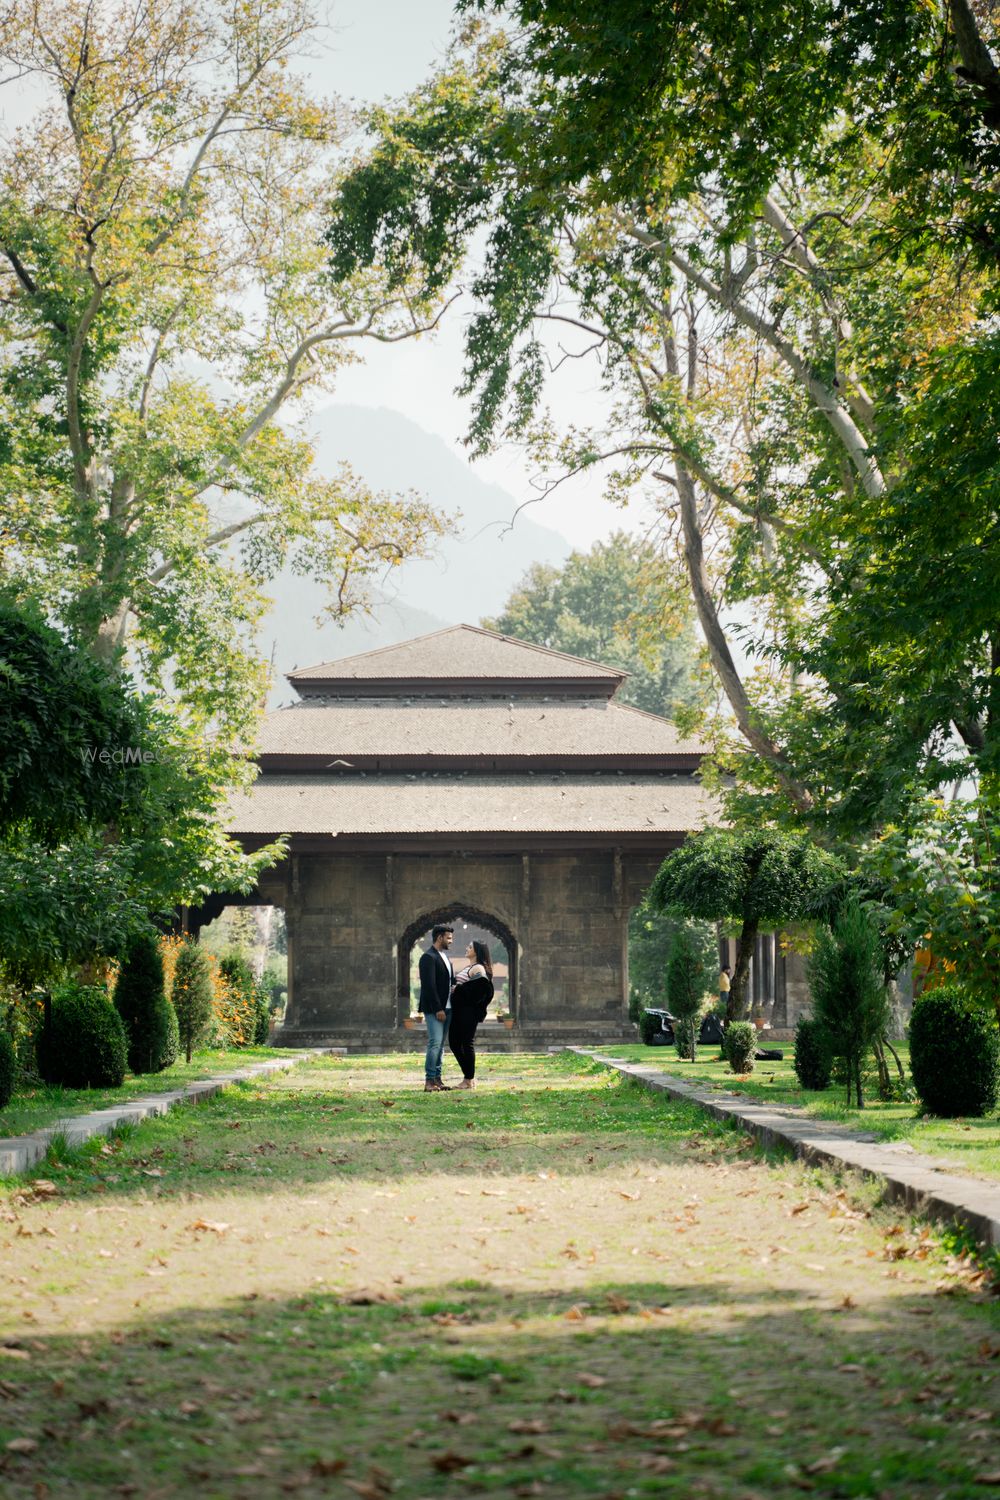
191	993
141	1001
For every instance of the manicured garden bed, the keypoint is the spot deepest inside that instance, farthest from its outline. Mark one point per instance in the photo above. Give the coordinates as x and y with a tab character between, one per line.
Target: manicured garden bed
35	1107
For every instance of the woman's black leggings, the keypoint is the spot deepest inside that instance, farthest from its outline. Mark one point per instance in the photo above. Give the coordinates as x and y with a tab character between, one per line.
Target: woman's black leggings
462	1041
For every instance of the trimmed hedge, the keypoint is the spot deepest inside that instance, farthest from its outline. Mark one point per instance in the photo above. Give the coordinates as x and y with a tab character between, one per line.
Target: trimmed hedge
954	1053
741	1046
813	1054
141	1001
83	1044
8	1066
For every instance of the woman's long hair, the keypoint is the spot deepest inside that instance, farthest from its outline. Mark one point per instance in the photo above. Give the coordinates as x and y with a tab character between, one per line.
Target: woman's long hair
482	953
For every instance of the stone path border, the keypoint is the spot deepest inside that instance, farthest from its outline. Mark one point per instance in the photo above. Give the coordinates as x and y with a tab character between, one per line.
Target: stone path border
924	1185
22	1152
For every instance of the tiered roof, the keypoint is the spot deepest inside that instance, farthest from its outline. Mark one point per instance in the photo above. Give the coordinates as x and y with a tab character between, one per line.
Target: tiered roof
466	733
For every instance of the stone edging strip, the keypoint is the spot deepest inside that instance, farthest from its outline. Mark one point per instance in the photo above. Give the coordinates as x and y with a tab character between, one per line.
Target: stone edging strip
22	1152
924	1185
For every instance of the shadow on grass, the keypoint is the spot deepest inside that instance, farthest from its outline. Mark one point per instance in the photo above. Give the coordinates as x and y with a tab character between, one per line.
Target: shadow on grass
265	1139
642	1388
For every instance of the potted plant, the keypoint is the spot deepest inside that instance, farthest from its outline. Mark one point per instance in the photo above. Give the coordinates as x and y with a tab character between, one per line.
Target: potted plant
505	1019
414	1020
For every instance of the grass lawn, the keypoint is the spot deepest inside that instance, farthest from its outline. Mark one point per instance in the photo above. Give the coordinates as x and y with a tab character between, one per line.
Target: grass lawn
972	1145
333	1284
33	1108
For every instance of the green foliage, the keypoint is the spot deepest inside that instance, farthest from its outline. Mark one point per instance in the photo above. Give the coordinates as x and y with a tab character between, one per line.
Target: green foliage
162	224
954	1053
141	1001
724	875
686	1037
191	995
650	938
8	1067
848	989
688	980
262	1002
813	1054
649	1026
760	878
56	704
611	605
740	1046
111	808
83	1044
941	867
601	178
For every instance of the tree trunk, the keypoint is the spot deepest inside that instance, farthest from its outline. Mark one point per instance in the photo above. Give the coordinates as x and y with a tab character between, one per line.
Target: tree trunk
736	1006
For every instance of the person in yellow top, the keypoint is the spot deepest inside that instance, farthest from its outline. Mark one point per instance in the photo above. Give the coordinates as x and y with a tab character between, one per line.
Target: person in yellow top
724	977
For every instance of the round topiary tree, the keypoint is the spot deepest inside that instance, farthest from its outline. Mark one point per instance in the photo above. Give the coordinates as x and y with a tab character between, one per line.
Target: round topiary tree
8	1066
141	1001
813	1054
83	1043
954	1053
759	878
191	993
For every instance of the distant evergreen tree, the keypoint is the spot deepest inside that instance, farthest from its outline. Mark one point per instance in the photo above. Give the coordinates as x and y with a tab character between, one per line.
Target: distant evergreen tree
191	994
141	1001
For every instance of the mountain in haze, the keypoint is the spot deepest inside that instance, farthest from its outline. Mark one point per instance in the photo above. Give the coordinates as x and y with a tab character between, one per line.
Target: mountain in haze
474	568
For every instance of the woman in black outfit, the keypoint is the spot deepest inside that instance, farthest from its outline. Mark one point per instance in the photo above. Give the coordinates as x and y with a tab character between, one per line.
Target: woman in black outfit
470	998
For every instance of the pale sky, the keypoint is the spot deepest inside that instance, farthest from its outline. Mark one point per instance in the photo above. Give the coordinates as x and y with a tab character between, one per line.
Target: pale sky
381	48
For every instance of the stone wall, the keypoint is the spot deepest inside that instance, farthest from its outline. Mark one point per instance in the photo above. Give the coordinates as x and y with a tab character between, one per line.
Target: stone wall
567	913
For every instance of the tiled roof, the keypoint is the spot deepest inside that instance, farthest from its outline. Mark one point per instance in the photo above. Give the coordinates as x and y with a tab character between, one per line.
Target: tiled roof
526	726
463	652
310	804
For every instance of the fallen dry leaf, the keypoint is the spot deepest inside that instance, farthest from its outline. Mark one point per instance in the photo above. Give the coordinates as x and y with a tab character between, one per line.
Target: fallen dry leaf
533	1425
449	1462
22	1445
592	1382
326	1468
209	1226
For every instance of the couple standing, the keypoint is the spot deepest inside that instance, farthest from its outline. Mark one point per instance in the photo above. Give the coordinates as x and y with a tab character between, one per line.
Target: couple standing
453	1005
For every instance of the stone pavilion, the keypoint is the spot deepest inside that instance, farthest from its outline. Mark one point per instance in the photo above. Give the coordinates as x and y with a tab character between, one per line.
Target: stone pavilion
464	775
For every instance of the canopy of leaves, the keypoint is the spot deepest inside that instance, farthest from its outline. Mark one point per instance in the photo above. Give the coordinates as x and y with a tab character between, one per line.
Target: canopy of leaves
164	298
758	875
655	101
611	605
770	264
110	810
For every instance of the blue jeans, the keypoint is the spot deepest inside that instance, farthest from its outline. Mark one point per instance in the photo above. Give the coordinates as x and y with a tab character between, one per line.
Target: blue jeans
437	1035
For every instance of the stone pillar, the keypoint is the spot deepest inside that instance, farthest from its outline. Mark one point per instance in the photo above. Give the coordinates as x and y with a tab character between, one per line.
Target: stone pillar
798	1000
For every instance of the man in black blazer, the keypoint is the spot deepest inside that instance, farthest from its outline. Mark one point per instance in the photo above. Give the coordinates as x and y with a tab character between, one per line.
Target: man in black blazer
436	980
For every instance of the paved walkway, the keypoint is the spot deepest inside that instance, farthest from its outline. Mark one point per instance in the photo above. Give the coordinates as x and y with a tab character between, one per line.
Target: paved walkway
925	1185
22	1152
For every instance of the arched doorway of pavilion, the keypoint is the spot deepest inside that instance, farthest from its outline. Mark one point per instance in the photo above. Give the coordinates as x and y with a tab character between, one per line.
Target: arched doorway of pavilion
469	922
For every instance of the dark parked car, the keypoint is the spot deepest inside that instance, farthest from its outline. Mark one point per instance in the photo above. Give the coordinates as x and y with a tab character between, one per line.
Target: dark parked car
710	1033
